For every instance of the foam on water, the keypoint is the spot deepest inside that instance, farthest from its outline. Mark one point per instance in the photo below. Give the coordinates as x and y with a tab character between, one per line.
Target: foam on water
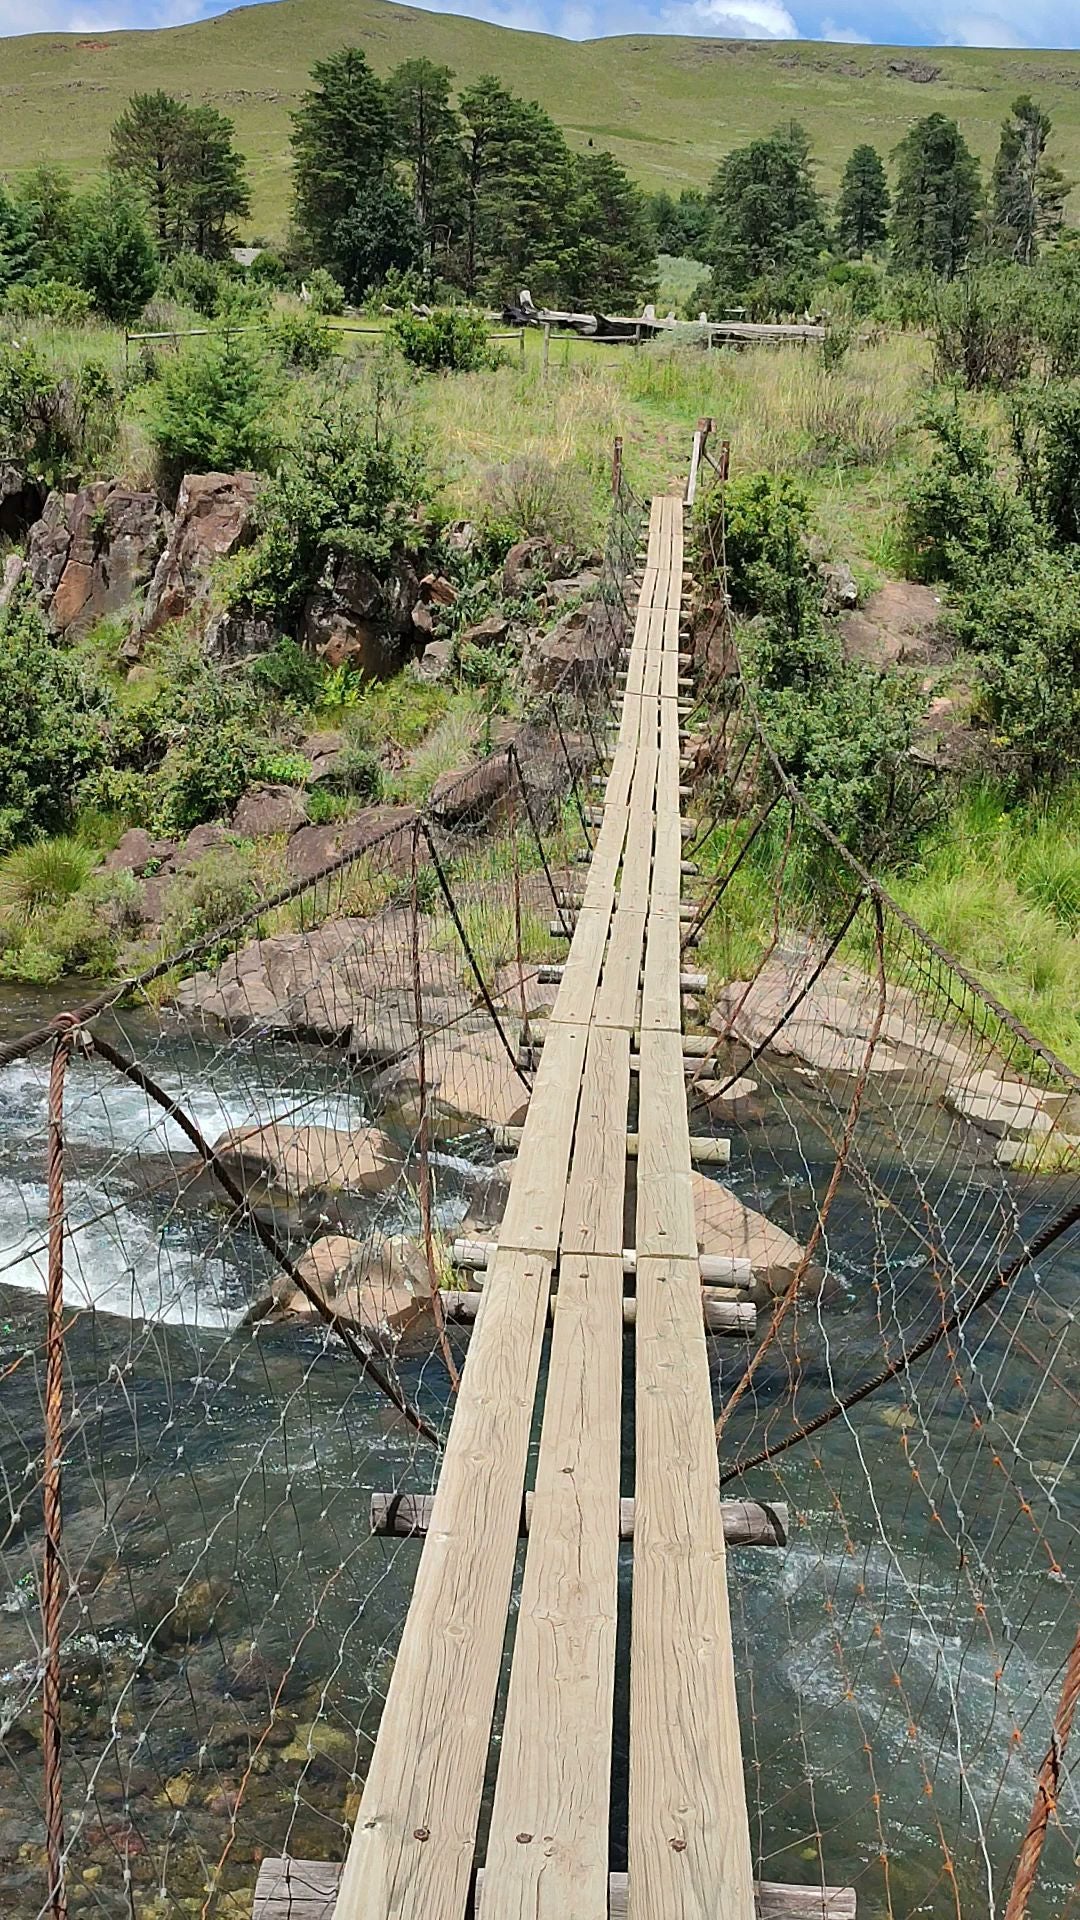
114	1261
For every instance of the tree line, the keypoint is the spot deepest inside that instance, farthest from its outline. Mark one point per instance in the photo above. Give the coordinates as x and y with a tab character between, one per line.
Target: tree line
481	195
764	227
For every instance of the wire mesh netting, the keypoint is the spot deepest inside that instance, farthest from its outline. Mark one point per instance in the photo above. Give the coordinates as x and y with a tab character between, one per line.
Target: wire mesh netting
905	1183
228	1319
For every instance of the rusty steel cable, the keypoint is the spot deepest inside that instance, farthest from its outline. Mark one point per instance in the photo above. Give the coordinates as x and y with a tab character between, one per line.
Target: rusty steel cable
1047	1788
52	1564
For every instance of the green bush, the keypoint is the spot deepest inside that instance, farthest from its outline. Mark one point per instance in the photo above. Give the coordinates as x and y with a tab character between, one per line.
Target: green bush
41	876
1046	432
195	282
205	773
356	772
959	520
214	409
211	895
302	340
52	728
351	483
49	300
984	329
1027	630
117	260
449	340
765	525
55	424
325	294
288	673
283	768
57	915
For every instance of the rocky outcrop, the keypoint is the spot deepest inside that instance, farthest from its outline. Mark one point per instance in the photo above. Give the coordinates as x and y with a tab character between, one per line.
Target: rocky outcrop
323	750
232	634
471	1083
471	796
140	852
311	849
302	1161
583	644
213	520
436	662
363	621
348	982
829	1028
527	566
93	552
267	810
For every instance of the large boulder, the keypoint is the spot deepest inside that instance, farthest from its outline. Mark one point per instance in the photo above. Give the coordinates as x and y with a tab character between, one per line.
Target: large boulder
472	795
231	634
266	810
527	566
301	1161
349	980
379	1288
213	520
93	552
584	643
726	1225
140	852
471	1084
333	631
387	829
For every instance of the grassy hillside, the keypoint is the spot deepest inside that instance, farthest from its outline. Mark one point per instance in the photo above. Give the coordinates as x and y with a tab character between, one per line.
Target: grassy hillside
668	107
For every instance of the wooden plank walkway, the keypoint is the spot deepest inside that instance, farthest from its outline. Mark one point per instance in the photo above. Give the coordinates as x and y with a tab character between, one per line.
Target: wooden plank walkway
548	1856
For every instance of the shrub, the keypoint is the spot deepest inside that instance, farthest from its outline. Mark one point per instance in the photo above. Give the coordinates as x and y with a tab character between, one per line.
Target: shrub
302	340
210	896
49	300
283	768
117	259
41	876
356	772
56	425
351	483
765	525
195	282
1046	432
449	340
325	294
959	521
1027	629
214	409
205	773
52	726
983	329
531	495
290	674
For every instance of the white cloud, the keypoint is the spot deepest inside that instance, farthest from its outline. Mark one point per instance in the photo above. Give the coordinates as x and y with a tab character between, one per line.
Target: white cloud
731	19
59	16
847	36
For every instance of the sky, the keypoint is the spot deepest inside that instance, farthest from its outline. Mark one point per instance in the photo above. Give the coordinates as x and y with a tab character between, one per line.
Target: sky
968	23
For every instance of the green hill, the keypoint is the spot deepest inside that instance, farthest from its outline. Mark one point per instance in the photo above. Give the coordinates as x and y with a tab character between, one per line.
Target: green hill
668	107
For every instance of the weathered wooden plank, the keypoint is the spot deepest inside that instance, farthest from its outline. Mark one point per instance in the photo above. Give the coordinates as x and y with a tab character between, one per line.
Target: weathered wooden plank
665	1203
593	1216
533	1216
307	1889
746	1523
412	1846
547	1853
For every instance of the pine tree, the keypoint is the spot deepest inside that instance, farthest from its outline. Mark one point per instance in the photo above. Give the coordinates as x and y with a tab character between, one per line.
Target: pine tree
937	201
427	132
1027	190
16	241
378	233
116	256
182	162
341	140
147	142
862	206
615	239
768	214
518	196
214	187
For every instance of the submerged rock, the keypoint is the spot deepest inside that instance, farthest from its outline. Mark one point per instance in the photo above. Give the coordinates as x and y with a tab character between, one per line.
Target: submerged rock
726	1225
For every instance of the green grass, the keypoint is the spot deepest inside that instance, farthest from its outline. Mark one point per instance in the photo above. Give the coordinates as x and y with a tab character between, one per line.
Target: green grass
668	107
1000	889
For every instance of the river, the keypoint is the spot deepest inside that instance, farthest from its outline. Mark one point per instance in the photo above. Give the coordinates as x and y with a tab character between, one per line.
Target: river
217	1487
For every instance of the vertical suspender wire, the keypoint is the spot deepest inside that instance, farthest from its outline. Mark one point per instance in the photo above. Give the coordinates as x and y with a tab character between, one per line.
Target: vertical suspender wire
519	950
423	1145
52	1566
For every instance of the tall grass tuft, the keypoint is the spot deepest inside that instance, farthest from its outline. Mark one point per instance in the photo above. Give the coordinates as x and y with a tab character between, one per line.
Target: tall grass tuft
40	877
